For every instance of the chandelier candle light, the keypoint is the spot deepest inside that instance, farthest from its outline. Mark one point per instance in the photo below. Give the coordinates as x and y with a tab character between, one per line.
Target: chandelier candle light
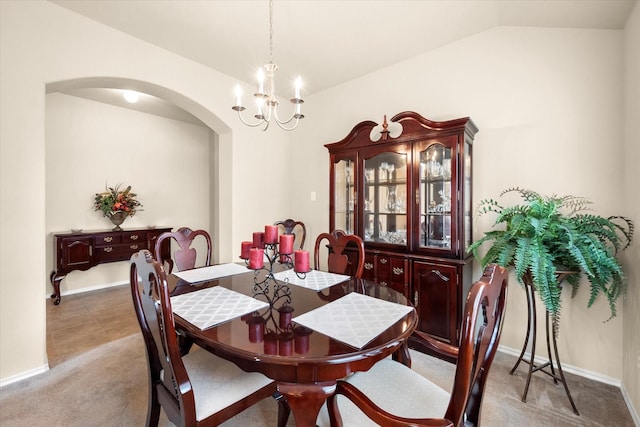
265	97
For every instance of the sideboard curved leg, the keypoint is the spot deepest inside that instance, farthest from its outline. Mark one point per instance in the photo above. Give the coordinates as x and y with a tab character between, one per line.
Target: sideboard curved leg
55	282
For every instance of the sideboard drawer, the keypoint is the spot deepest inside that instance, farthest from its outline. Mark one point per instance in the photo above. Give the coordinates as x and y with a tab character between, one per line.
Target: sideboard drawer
118	252
107	239
134	237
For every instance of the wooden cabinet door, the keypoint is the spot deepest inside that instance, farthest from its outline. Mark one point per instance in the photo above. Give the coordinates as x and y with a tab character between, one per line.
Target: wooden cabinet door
76	252
435	297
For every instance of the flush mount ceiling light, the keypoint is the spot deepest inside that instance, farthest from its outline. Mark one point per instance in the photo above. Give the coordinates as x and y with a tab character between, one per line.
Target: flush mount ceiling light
265	97
131	96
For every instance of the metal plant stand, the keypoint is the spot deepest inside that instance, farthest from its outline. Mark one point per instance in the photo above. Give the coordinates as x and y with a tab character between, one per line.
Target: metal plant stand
556	372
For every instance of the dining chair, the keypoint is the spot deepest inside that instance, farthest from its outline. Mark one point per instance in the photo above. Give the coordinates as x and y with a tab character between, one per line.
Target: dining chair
185	256
391	394
198	389
289	227
337	260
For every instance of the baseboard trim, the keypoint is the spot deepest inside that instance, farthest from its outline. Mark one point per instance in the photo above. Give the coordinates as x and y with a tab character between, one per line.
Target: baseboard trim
91	288
632	410
586	374
566	368
24	375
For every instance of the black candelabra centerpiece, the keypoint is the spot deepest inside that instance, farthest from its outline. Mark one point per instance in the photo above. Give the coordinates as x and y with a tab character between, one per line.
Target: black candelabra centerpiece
279	336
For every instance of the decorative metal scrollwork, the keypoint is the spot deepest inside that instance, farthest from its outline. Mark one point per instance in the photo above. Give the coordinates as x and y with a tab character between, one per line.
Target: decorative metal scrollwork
108	249
108	239
398	271
383	260
368	266
134	237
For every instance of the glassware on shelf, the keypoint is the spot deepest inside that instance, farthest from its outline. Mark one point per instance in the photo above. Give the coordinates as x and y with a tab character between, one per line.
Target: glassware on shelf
369	174
391	199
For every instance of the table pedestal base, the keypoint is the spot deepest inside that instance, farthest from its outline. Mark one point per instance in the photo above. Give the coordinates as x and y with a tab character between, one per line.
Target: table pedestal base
305	400
531	334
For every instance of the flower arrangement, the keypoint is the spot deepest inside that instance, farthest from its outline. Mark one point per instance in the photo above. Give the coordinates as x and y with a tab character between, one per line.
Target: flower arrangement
114	200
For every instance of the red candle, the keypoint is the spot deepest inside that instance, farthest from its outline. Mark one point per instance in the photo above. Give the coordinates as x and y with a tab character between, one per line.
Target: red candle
256	329
258	239
286	244
271	343
271	234
301	340
284	319
285	344
256	258
246	246
301	261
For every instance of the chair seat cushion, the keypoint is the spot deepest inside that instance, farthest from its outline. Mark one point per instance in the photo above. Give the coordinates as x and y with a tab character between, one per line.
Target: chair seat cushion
395	388
218	383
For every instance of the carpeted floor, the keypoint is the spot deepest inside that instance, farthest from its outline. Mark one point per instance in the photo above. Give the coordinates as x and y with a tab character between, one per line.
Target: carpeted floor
107	386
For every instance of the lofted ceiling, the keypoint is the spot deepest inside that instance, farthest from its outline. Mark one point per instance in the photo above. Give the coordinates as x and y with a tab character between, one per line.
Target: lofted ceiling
329	42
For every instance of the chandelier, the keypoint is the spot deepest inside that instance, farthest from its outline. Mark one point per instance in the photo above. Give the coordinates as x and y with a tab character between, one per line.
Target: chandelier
265	97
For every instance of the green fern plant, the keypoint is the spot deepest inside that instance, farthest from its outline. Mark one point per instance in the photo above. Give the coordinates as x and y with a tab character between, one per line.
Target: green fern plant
546	235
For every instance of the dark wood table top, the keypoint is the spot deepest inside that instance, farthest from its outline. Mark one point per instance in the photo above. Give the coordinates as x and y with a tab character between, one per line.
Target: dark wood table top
315	365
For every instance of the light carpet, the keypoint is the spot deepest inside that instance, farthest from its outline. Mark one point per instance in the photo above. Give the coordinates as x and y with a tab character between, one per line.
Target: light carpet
107	386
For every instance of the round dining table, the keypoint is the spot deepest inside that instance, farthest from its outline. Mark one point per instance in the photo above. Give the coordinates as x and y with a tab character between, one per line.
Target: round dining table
304	363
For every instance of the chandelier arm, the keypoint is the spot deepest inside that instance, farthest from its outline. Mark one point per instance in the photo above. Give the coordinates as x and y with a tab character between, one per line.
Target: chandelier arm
282	122
281	125
253	125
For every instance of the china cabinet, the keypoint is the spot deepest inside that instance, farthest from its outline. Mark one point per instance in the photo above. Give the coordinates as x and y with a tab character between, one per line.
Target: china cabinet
405	187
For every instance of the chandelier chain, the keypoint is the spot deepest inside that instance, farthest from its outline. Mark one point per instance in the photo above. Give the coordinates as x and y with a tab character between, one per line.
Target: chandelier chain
271	31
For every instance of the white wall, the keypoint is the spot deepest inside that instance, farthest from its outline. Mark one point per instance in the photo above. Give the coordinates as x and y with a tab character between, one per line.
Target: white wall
548	103
91	144
631	336
41	44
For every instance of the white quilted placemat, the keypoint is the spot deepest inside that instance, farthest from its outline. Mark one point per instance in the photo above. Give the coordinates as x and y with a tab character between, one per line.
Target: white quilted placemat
209	273
315	279
210	306
354	319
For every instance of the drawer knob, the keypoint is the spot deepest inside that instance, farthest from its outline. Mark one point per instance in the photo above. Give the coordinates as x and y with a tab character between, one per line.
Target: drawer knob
108	249
398	271
108	239
383	260
134	247
134	237
384	283
368	266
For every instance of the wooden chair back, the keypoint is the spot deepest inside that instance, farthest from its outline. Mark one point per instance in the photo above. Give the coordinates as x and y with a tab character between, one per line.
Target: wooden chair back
339	261
297	228
185	256
168	379
479	337
481	328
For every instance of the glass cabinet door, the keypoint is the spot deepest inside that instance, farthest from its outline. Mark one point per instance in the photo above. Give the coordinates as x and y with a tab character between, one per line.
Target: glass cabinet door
385	199
467	195
435	195
344	195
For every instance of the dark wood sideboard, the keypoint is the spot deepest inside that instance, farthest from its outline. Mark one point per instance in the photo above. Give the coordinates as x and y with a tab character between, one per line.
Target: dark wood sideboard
83	250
